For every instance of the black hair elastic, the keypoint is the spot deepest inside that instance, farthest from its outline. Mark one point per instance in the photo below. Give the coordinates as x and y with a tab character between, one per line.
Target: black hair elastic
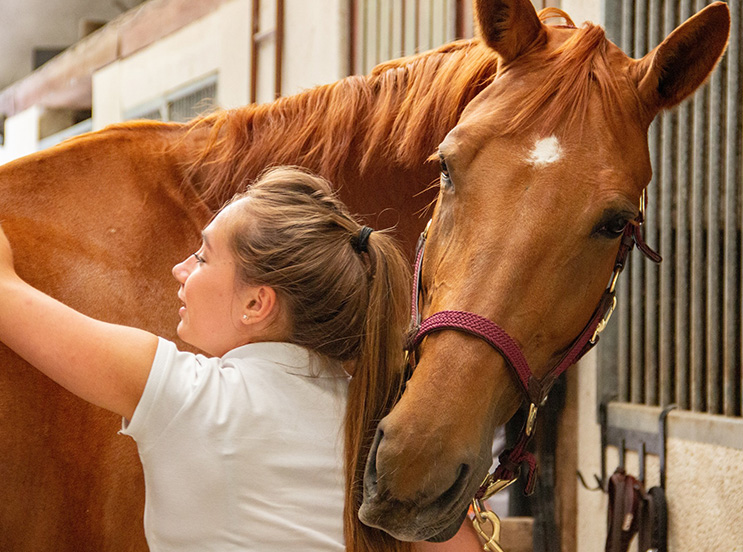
361	241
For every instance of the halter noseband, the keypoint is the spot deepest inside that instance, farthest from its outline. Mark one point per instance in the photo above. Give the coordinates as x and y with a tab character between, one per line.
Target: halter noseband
535	390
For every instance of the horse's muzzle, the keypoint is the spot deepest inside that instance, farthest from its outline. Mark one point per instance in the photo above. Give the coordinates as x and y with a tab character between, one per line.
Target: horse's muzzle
433	514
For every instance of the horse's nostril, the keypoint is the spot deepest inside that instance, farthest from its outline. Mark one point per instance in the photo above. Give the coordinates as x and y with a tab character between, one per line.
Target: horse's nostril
370	476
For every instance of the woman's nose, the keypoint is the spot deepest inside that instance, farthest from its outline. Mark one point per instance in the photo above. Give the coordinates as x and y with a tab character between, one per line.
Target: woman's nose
180	271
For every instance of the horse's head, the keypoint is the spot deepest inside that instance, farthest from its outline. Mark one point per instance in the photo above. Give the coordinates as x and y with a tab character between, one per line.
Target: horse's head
539	179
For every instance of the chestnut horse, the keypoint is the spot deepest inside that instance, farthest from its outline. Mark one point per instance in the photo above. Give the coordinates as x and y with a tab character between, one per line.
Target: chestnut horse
546	161
540	179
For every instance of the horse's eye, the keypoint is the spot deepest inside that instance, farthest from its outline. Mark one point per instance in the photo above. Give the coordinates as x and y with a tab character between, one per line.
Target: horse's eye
613	228
445	177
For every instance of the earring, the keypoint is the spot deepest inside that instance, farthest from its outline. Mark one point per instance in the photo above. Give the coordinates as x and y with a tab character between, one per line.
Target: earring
245	316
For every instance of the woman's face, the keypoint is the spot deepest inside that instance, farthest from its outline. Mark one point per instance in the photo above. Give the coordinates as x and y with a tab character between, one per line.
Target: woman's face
212	307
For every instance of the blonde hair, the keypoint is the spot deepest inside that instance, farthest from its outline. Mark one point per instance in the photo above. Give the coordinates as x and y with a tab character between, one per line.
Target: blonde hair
343	301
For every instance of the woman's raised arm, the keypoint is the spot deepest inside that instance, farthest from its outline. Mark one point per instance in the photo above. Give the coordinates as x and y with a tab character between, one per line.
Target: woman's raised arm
102	363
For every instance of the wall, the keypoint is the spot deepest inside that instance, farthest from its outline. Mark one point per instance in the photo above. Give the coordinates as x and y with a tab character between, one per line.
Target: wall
43	23
219	44
21	134
704	488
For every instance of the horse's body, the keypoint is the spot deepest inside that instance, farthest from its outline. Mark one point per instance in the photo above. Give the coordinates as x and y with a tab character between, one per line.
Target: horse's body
99	221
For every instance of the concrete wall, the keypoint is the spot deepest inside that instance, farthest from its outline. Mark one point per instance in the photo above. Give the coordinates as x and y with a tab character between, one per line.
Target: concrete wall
43	23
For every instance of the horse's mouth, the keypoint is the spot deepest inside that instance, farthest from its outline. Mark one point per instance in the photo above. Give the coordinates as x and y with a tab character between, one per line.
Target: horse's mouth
405	523
435	521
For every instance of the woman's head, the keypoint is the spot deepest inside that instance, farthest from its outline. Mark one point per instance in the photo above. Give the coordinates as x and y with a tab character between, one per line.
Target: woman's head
291	233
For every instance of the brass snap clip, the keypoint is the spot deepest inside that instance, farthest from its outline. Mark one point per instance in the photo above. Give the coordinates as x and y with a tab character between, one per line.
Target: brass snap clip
487	526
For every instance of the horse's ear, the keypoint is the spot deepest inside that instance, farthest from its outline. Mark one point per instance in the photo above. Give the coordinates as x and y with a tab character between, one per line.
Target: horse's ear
508	26
684	60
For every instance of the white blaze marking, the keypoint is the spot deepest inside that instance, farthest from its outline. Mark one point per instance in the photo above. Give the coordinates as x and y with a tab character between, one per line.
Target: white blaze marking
545	152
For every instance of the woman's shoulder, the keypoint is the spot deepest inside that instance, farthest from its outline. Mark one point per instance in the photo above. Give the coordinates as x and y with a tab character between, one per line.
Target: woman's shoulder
285	357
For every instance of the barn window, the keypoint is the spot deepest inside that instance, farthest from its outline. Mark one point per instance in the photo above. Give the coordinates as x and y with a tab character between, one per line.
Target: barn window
181	105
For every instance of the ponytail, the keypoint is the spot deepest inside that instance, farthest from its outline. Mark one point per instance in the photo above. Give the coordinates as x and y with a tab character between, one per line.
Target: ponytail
377	382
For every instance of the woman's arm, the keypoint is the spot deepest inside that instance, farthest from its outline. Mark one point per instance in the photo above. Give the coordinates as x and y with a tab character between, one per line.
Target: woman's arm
102	363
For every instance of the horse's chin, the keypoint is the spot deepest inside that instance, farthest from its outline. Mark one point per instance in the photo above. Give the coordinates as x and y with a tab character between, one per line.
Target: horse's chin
406	524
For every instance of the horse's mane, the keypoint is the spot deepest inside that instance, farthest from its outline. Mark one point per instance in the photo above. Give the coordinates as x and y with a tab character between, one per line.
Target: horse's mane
398	112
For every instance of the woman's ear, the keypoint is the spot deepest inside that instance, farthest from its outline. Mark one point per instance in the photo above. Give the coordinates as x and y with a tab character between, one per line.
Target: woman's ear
259	305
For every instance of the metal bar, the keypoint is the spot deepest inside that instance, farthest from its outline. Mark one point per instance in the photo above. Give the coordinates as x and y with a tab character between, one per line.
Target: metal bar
732	278
364	53
446	36
681	260
459	22
394	52
641	29
636	330
256	26
403	26
416	29
714	308
378	33
278	49
652	17
627	27
666	318
389	52
623	325
353	31
431	18
697	256
635	268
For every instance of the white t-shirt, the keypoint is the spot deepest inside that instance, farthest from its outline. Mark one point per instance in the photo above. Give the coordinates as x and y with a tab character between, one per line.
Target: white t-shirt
243	452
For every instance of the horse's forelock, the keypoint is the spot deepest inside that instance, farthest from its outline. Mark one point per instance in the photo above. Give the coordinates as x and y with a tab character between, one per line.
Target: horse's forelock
572	72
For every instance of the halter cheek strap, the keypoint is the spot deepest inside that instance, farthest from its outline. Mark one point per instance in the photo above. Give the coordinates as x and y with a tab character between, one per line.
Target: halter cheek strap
534	389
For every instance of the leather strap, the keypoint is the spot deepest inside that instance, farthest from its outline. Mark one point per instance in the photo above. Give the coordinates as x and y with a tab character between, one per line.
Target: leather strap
653	526
626	495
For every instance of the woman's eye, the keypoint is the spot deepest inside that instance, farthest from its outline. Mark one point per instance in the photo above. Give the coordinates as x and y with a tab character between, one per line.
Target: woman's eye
199	258
445	177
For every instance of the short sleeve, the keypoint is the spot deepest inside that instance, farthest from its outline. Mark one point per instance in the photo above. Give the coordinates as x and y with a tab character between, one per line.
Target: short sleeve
174	378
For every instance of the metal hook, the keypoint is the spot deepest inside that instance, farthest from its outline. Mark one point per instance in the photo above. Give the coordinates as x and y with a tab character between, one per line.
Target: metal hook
599	484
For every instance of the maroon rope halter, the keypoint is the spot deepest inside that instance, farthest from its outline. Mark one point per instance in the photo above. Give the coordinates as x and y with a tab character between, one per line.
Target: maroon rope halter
535	390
